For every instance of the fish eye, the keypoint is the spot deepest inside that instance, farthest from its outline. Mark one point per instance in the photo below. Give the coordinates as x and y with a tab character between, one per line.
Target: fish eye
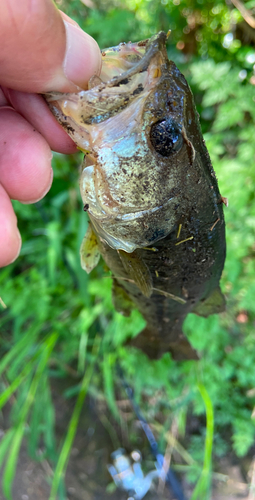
166	137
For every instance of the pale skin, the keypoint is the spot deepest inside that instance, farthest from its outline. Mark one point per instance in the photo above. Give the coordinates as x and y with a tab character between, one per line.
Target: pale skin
41	50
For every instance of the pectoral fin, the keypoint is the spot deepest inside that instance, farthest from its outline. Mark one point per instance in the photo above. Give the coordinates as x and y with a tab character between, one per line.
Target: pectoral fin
137	270
213	304
89	251
121	301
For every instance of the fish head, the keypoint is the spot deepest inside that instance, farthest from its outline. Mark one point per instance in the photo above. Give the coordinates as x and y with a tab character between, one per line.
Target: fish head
132	124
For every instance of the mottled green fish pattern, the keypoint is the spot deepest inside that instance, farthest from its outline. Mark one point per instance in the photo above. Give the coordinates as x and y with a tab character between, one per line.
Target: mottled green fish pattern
147	183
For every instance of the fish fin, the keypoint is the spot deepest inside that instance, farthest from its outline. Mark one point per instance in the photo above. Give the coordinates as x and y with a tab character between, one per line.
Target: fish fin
154	346
121	301
137	270
213	304
89	251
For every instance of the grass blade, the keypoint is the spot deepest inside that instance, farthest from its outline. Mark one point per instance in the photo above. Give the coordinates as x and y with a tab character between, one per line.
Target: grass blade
201	491
72	427
18	433
17	348
108	361
5	444
6	394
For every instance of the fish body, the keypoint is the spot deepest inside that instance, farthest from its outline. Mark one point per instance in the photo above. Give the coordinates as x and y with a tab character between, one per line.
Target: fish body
150	190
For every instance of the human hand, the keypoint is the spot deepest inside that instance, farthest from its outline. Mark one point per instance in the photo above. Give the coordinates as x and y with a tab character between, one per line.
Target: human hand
41	50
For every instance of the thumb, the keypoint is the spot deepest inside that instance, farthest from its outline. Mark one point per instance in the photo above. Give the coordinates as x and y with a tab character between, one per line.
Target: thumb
42	50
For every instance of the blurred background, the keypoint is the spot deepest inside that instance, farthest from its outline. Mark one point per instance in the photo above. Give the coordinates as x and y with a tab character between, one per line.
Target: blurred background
61	339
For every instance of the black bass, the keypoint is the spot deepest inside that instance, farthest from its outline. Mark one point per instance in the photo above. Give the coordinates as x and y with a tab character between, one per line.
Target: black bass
147	183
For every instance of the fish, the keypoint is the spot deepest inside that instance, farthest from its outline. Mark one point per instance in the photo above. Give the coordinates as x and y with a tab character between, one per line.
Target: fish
150	191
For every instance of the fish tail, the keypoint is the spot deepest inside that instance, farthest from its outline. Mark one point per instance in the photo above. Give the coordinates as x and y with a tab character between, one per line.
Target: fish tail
155	346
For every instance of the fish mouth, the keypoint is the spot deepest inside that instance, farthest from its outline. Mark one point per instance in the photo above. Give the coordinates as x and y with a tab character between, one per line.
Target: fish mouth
126	71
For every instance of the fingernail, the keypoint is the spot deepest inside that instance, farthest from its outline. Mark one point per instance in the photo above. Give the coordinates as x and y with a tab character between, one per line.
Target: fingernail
83	57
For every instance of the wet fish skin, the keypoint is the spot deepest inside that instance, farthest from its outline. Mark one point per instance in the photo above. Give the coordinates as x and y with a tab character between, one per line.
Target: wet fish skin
181	244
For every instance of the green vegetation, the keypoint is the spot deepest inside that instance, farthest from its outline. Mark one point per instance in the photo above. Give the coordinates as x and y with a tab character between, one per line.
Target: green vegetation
59	321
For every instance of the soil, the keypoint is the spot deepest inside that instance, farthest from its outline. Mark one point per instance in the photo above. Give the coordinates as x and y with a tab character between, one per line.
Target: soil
87	476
